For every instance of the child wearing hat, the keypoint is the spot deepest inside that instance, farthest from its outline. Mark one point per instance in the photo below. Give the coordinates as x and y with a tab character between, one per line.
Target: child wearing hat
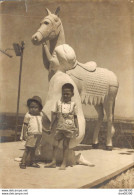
32	131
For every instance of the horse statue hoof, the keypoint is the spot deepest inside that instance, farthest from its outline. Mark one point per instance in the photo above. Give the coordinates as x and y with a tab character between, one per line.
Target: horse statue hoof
109	148
95	146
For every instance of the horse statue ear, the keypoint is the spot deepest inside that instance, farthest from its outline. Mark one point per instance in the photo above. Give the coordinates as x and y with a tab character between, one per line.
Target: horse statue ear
48	11
57	11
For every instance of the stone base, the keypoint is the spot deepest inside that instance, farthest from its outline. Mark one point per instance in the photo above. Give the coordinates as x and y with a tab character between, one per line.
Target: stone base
44	153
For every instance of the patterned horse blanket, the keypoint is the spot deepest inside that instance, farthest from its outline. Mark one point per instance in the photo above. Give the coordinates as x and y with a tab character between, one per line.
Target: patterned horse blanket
94	85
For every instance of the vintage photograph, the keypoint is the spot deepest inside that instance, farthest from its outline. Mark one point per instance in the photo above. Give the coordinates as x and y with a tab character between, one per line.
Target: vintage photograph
67	94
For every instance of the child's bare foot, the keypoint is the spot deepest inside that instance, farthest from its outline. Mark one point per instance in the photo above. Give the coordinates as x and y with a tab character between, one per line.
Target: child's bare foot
50	165
63	167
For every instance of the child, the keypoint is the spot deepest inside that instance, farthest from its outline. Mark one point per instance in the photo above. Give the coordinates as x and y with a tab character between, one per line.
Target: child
32	131
67	124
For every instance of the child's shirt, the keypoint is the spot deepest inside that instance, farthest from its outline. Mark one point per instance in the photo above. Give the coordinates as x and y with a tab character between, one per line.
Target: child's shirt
63	107
65	115
34	123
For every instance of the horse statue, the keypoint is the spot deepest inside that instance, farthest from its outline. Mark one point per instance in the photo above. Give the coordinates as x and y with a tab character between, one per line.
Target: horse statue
97	86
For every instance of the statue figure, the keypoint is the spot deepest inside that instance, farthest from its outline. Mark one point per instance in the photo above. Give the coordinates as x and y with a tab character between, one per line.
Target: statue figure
59	78
97	86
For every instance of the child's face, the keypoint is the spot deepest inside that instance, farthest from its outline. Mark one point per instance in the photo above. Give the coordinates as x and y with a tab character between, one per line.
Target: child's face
67	95
34	108
54	60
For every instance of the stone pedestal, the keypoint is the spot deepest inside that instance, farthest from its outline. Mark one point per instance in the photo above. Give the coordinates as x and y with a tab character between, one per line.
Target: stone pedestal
46	155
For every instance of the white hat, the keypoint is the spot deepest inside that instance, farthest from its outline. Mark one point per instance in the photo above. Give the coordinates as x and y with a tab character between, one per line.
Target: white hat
65	53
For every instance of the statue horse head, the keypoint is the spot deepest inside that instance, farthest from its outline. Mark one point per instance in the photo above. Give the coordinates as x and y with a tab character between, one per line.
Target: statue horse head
51	29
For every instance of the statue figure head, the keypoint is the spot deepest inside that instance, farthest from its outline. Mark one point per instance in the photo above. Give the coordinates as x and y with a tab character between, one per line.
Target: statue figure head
66	57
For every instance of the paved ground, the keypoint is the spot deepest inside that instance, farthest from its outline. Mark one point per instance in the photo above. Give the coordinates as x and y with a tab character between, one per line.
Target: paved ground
107	165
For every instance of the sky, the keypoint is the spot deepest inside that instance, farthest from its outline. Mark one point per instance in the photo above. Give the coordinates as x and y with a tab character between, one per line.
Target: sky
100	31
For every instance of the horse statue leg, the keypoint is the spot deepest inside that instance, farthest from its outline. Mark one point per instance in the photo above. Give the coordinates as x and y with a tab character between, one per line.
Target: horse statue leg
100	111
109	105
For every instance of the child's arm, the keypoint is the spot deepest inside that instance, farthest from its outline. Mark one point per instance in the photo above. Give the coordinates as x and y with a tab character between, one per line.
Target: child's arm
54	116
76	125
47	52
25	129
76	120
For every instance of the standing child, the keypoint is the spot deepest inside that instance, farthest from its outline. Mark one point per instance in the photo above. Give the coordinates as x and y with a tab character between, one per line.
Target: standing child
67	124
32	131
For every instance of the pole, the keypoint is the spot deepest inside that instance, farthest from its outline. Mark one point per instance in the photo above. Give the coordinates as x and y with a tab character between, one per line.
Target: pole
19	87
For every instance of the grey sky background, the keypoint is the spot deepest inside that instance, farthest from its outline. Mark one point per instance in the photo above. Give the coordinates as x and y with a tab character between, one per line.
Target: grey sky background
101	31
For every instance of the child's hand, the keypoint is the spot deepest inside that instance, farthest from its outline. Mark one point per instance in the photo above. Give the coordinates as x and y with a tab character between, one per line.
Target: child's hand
46	131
